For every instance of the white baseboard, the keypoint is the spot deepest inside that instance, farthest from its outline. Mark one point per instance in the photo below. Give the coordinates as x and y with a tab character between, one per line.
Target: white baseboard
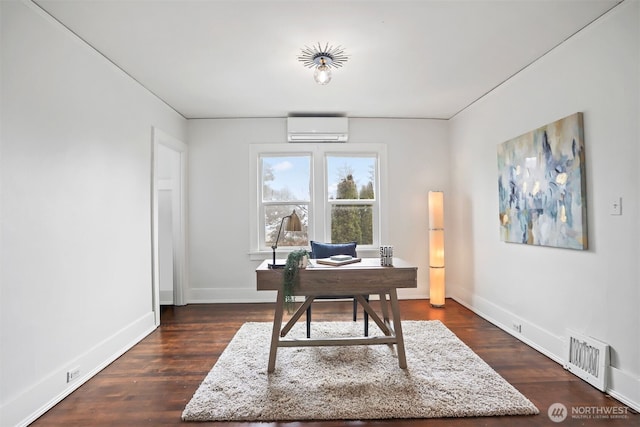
166	297
622	385
625	388
531	334
228	295
54	387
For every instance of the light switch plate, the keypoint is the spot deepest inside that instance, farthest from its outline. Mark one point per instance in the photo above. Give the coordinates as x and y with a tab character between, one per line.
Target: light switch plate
615	206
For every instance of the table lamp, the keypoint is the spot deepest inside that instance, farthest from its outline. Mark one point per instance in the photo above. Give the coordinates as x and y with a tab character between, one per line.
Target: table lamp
293	224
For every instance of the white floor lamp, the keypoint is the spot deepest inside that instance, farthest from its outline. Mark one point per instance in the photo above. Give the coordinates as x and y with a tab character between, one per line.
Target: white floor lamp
436	249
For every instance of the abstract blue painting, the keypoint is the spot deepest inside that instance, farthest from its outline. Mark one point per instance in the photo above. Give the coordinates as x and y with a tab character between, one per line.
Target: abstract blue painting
541	186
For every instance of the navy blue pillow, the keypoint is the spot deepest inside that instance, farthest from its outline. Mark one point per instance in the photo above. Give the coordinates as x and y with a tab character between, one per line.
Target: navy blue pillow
325	250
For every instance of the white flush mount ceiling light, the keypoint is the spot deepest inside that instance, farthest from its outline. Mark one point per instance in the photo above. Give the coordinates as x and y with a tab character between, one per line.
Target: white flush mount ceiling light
323	59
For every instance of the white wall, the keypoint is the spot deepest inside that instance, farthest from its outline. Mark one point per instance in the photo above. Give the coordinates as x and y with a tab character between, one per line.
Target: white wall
548	290
76	246
220	266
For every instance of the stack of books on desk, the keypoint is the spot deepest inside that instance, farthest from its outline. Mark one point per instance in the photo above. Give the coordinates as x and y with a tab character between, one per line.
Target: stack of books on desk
338	260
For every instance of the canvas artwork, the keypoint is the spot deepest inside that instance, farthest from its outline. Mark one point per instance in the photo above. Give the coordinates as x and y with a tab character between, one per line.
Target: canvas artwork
541	184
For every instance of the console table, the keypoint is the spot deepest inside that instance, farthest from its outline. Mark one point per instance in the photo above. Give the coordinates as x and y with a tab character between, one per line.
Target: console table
359	279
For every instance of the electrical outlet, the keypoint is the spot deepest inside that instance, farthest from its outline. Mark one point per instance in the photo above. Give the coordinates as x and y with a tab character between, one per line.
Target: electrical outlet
73	374
517	327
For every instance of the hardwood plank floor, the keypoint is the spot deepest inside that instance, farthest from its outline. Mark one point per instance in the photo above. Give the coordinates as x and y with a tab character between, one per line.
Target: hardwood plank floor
151	383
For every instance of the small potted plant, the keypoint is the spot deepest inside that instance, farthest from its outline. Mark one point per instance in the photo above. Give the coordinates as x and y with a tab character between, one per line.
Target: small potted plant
295	260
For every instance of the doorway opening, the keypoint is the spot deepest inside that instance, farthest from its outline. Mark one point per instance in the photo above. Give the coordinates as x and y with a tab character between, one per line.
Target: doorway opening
168	210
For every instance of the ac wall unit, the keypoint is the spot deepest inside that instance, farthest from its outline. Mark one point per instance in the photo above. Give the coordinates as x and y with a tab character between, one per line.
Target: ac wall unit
317	129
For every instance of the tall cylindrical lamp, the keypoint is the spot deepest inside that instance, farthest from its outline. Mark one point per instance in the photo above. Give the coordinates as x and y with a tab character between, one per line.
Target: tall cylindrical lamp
436	249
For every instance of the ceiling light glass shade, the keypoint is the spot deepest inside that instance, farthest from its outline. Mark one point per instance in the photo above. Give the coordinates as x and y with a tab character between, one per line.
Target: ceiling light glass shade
323	59
322	75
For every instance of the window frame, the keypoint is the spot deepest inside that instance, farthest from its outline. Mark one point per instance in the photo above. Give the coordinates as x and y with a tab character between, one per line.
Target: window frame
319	215
374	203
262	205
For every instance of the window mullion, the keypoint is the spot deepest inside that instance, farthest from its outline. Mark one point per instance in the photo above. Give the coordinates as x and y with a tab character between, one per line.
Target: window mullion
318	197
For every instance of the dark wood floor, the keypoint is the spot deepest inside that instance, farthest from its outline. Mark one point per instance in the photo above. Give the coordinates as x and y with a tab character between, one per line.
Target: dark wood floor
151	383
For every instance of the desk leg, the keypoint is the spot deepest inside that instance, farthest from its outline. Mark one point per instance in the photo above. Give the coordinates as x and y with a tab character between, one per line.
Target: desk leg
275	335
299	312
395	310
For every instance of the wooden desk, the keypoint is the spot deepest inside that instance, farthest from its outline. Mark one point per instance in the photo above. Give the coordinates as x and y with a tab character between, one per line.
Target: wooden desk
359	279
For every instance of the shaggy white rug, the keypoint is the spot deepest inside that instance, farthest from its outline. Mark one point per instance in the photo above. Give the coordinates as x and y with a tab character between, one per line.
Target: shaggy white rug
444	378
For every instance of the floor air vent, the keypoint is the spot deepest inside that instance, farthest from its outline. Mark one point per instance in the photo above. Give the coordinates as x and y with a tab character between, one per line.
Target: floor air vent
588	359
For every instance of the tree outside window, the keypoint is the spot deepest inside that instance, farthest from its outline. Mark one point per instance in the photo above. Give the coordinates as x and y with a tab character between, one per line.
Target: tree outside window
353	199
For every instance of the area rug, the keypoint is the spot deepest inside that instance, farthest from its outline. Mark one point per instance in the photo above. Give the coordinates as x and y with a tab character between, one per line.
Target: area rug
444	378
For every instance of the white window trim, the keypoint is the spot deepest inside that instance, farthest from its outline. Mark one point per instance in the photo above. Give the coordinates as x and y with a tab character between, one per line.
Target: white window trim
260	213
375	203
317	214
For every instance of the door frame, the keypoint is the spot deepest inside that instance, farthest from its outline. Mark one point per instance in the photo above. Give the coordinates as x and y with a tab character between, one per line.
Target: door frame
180	242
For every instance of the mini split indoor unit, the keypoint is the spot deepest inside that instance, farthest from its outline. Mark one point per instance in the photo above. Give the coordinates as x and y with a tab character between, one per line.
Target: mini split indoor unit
317	129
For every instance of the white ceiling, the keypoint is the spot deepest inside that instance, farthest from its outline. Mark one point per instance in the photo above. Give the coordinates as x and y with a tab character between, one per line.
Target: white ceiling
427	59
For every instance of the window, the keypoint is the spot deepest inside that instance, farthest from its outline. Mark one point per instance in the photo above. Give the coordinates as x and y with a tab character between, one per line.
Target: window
351	197
285	188
335	189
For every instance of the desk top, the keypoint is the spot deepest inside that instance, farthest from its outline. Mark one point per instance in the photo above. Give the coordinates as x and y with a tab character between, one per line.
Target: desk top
367	276
373	263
